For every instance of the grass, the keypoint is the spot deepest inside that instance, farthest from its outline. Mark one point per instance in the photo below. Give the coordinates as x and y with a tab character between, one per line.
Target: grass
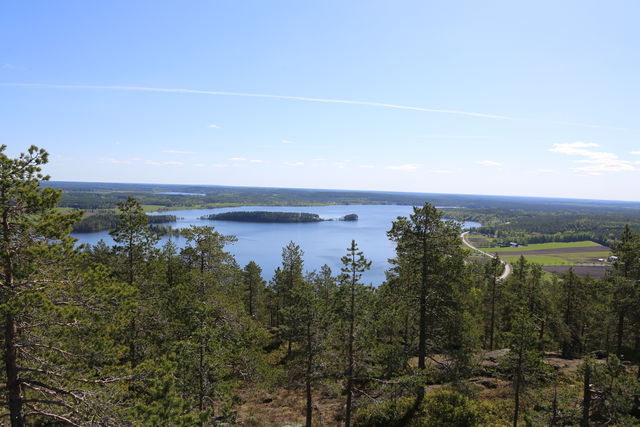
539	259
550	245
560	259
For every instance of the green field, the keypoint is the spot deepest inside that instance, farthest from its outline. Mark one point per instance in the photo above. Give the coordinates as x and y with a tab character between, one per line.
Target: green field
542	246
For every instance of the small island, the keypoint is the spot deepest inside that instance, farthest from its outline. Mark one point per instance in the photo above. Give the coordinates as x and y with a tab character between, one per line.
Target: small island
273	217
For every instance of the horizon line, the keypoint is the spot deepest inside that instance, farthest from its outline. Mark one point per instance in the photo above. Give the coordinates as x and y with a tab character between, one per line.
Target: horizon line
349	189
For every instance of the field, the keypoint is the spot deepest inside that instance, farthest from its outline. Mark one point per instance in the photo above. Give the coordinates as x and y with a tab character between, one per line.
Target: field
556	257
556	253
550	246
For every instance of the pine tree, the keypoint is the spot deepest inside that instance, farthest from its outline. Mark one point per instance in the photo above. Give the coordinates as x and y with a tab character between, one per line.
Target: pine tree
428	249
254	287
354	264
55	356
135	247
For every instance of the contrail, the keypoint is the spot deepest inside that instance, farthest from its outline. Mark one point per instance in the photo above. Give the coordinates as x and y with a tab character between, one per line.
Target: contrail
298	98
259	95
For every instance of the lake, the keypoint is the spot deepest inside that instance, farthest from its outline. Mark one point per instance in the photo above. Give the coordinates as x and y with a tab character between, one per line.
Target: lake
322	242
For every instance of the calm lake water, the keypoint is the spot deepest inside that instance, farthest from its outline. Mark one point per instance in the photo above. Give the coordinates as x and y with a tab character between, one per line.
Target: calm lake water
322	242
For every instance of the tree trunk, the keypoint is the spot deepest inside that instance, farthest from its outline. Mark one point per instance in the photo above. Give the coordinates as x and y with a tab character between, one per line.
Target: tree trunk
308	377
422	343
10	350
518	380
586	396
493	313
13	382
347	421
620	333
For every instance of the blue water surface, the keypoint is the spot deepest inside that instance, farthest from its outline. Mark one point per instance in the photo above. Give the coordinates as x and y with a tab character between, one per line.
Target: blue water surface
322	242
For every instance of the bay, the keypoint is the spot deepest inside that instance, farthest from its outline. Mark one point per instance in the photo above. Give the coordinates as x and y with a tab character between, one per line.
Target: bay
322	242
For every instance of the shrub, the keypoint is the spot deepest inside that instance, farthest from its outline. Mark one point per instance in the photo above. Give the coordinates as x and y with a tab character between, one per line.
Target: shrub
439	409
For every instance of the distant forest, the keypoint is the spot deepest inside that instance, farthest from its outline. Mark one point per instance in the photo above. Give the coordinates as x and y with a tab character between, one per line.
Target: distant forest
87	195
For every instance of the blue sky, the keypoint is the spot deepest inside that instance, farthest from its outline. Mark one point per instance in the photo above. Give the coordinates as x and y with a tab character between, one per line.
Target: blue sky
494	97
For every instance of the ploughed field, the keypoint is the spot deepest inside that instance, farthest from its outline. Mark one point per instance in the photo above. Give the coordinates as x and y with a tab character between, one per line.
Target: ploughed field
556	257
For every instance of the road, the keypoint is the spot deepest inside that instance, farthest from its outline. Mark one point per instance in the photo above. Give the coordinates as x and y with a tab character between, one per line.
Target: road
507	266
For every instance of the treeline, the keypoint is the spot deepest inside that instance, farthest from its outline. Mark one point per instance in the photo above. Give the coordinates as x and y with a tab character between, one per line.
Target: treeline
543	227
82	195
136	335
109	220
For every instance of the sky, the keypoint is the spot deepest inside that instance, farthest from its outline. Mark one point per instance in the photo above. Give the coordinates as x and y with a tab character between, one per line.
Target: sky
494	97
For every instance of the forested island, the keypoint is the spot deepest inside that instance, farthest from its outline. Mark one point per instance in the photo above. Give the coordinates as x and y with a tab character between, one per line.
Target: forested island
108	220
139	335
274	217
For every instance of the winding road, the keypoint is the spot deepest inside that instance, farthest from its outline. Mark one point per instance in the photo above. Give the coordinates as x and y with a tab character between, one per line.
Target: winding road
507	266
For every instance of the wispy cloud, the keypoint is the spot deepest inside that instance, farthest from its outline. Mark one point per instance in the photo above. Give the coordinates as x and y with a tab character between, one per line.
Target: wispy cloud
320	159
264	95
367	166
114	161
441	171
597	161
294	163
293	98
256	161
225	165
408	167
238	159
489	163
452	137
635	153
286	141
214	126
154	163
177	152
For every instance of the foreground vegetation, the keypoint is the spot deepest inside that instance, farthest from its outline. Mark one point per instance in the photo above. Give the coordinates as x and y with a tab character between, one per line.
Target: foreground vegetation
136	335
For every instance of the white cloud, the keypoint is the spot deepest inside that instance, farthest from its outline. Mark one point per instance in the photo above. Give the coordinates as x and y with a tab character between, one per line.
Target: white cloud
114	161
452	137
636	152
286	141
199	165
177	152
367	166
546	171
597	161
320	159
407	167
441	171
154	163
256	161
214	126
238	159
294	163
489	163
